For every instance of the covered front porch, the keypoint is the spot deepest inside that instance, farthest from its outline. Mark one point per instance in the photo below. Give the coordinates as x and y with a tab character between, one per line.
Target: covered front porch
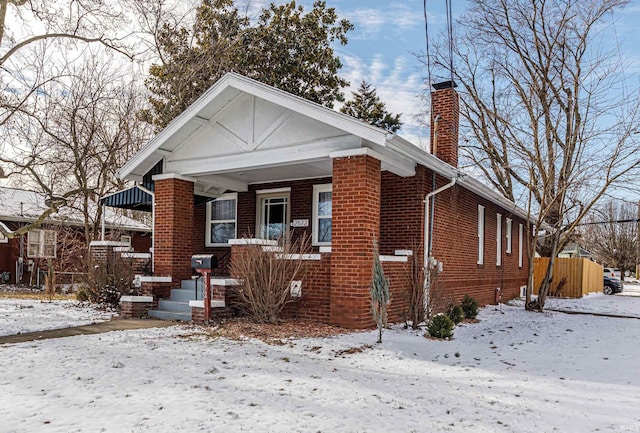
247	161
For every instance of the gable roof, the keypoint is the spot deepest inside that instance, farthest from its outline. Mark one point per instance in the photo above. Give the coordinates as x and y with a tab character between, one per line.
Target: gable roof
241	131
26	206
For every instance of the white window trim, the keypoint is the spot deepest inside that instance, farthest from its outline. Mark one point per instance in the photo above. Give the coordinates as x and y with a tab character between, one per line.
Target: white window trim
3	239
41	237
207	239
498	239
126	239
480	234
317	189
508	237
520	236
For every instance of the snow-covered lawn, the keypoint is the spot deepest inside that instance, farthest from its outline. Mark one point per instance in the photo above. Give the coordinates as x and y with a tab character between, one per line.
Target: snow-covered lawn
18	316
512	371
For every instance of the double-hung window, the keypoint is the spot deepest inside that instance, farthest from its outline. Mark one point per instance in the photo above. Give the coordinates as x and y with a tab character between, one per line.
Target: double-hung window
520	239
498	239
41	244
480	234
509	224
322	207
222	220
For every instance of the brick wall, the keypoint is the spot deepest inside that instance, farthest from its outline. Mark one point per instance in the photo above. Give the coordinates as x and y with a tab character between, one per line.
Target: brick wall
173	245
316	288
356	223
399	276
455	244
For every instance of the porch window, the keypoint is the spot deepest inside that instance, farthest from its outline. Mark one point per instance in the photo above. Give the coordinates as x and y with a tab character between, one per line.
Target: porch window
272	213
41	244
221	220
321	225
508	251
480	234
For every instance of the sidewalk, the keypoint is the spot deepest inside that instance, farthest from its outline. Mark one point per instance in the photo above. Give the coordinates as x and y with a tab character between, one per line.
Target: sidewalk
97	328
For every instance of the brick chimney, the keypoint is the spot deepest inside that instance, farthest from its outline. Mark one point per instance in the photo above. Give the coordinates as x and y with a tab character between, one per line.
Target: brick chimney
445	118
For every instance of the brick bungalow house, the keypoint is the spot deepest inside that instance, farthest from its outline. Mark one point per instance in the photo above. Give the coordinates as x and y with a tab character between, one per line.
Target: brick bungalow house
60	238
247	159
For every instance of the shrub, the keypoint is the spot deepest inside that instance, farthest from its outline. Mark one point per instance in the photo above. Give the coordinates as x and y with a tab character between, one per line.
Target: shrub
266	277
110	280
379	294
455	313
470	307
441	326
83	295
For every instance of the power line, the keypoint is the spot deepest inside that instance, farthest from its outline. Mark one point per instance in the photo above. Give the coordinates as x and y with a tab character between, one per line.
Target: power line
633	220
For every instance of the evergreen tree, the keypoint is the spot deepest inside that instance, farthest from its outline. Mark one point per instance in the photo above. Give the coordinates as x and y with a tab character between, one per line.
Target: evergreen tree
286	48
367	106
379	294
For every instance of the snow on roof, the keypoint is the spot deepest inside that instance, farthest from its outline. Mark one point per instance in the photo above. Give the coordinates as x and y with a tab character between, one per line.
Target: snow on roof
22	205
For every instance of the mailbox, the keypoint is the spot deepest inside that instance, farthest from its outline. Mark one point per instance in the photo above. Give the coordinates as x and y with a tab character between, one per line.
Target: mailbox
204	261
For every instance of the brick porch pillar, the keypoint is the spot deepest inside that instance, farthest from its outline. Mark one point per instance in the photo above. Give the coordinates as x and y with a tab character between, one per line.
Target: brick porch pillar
173	229
356	223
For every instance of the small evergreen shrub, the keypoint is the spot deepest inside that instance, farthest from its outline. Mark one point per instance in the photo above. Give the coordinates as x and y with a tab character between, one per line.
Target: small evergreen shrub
455	313
441	326
470	307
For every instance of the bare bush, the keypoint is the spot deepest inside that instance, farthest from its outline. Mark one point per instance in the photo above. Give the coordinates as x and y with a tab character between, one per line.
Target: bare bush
414	296
266	277
111	279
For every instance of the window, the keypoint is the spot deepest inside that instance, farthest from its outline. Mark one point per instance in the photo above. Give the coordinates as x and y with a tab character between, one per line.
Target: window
508	236
321	225
3	239
221	220
520	246
125	239
498	239
480	234
41	244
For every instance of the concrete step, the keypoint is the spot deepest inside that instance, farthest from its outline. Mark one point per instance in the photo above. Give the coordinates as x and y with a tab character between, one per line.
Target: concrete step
174	306
170	315
185	295
191	284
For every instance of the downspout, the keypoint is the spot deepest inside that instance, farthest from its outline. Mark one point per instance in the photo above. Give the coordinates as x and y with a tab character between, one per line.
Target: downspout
428	237
153	222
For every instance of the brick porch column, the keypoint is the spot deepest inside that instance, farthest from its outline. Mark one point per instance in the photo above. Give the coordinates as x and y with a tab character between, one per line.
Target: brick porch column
356	223
173	229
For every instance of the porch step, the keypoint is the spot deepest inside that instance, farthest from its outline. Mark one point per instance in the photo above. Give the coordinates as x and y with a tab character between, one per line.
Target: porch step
186	295
174	306
170	315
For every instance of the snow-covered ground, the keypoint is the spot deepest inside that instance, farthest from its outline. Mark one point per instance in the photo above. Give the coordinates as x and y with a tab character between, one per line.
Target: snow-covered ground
18	316
512	371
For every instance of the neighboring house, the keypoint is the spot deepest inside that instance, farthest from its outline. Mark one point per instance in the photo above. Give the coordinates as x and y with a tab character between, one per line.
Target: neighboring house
247	159
60	239
573	249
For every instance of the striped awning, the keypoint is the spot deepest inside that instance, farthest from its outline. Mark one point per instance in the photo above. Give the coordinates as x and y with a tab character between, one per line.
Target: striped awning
132	198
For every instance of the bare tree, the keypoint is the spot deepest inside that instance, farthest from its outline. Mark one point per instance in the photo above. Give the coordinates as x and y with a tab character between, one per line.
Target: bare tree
71	141
545	116
610	234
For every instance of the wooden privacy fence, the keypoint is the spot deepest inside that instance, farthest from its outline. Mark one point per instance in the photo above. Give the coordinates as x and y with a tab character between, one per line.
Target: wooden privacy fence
572	277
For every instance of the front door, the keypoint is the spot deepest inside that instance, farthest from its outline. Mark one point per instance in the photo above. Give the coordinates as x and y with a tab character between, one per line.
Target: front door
273	215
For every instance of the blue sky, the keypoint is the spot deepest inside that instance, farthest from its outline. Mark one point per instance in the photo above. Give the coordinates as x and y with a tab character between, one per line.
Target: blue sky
388	33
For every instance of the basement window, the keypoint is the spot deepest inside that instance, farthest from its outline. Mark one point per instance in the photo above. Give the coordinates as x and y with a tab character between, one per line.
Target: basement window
222	220
41	244
480	234
322	220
